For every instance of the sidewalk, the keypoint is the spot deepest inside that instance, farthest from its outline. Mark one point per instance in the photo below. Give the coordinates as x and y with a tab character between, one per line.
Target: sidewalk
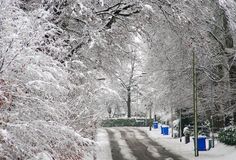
220	152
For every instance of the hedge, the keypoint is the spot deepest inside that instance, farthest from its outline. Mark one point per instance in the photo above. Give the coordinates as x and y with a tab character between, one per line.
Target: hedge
124	122
228	136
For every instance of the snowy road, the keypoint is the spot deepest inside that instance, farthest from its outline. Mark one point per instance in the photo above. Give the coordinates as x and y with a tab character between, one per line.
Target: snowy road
132	144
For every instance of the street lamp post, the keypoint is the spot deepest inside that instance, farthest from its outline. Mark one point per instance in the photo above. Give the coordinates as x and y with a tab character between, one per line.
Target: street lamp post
212	120
196	153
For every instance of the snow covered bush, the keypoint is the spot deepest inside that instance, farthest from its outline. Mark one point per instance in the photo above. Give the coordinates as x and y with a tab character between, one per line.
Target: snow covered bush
35	90
24	140
228	136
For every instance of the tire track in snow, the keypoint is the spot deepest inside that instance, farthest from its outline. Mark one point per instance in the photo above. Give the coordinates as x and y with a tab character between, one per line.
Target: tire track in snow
119	148
115	148
150	148
165	154
134	144
140	151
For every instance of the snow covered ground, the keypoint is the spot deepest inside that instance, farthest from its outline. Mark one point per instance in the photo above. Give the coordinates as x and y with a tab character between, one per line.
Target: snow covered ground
103	148
220	152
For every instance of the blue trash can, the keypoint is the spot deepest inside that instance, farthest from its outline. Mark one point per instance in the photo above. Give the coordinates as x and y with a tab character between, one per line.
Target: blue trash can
161	130
155	124
201	142
165	130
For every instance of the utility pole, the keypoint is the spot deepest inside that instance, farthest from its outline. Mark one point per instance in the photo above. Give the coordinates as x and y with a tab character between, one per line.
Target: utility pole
171	108
212	120
195	107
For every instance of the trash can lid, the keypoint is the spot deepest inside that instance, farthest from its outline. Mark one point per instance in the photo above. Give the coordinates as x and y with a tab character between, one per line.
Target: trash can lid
200	137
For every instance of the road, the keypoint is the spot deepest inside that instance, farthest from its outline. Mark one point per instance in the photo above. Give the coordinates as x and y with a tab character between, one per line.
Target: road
134	144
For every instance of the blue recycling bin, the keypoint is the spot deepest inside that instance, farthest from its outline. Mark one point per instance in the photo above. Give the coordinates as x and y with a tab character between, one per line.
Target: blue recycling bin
161	130
201	142
155	124
165	130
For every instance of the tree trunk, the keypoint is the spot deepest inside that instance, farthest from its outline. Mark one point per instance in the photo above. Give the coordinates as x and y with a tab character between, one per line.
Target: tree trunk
129	103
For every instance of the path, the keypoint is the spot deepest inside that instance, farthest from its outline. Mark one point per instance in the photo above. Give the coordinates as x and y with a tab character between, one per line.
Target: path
134	144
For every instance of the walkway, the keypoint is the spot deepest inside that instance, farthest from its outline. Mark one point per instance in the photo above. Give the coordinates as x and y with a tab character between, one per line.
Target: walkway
134	144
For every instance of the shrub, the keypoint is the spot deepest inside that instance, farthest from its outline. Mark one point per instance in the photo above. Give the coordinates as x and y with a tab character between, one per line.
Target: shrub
228	136
124	122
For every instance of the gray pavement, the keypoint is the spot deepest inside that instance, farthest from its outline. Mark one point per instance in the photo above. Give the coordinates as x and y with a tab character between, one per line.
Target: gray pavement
141	146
